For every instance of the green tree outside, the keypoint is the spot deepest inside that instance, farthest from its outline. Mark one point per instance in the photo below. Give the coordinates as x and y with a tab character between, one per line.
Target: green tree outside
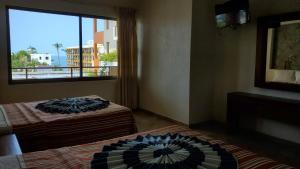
21	59
58	46
31	50
110	57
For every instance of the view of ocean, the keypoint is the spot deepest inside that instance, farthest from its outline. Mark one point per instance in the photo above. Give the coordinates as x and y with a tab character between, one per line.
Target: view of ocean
63	60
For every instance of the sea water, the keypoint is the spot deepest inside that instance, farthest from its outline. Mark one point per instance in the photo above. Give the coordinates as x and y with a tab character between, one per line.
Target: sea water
63	61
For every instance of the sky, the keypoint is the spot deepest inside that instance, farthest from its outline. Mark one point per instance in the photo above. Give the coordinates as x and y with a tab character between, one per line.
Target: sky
42	30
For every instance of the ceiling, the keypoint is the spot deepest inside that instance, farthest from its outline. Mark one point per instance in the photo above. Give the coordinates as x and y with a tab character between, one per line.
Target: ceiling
125	3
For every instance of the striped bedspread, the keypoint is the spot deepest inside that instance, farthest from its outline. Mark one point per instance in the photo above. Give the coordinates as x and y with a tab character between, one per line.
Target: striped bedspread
37	130
80	156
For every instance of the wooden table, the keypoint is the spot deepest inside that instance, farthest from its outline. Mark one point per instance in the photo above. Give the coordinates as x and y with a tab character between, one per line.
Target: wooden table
9	145
260	106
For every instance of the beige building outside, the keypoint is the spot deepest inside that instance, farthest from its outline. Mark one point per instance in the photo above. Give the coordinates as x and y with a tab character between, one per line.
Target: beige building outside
104	42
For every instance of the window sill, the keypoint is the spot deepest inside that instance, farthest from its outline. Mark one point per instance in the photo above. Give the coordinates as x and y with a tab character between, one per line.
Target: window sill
34	81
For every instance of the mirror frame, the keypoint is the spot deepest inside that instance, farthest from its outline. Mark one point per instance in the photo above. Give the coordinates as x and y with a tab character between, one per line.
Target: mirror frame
263	24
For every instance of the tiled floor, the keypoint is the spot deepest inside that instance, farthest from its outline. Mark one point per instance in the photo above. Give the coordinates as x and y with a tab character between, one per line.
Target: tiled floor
146	121
279	150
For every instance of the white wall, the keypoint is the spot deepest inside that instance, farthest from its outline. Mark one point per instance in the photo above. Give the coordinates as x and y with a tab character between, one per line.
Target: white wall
109	36
193	87
112	3
164	50
235	66
17	93
202	65
42	58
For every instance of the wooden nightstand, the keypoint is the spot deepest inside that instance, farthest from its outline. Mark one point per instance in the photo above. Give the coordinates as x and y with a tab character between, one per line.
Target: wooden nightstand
9	145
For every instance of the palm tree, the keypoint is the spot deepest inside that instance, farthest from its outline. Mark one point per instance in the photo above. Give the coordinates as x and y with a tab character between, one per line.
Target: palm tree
58	46
31	50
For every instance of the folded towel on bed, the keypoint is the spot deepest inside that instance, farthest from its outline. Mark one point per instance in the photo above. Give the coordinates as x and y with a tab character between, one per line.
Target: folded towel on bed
72	105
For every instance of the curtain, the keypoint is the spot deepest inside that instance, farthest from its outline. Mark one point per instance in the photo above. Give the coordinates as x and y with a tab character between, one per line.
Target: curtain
127	54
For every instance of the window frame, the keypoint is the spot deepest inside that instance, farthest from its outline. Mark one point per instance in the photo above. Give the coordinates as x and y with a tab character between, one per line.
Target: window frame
54	80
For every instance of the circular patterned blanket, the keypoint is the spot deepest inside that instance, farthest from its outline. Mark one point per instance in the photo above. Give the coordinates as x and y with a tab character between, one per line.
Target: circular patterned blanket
170	151
72	105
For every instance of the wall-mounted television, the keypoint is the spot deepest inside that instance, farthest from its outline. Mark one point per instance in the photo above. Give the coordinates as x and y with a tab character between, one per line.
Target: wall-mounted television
232	13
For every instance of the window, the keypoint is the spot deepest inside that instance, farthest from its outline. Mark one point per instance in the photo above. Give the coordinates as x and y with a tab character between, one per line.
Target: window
107	24
107	47
115	33
75	50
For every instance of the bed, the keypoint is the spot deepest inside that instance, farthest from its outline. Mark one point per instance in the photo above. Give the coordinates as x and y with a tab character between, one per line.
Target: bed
80	156
37	130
